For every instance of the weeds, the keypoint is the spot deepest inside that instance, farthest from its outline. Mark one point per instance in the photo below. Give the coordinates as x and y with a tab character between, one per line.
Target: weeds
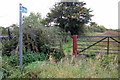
80	67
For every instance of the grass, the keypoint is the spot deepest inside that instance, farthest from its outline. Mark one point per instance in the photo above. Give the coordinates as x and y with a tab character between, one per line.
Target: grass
100	66
84	68
68	48
68	67
100	69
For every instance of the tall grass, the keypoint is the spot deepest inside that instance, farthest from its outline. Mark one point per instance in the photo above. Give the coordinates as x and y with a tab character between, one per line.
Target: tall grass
79	67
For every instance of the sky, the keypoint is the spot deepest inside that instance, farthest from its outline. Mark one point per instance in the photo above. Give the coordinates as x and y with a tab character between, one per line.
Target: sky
105	11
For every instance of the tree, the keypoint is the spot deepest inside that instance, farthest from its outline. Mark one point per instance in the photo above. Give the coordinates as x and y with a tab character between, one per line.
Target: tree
32	21
96	28
70	16
94	24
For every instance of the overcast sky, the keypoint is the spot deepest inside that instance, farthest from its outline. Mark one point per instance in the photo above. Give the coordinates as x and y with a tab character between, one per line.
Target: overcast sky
105	11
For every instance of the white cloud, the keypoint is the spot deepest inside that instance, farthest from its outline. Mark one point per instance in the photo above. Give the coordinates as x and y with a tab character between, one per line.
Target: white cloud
105	11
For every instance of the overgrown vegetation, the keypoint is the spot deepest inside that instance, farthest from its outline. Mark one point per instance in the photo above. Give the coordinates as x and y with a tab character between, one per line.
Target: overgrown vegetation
41	43
93	27
36	37
80	67
38	66
38	42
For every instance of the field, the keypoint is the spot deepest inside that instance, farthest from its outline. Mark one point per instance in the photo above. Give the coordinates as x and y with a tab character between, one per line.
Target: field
105	66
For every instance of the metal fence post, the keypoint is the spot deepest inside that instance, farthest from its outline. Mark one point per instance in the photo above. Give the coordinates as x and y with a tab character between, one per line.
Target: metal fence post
75	44
108	46
20	35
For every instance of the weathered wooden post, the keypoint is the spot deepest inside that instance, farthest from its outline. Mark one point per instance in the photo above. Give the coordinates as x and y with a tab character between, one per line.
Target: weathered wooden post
75	44
9	33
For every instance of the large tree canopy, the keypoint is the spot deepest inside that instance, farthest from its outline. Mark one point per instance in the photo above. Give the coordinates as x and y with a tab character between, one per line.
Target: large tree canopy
70	16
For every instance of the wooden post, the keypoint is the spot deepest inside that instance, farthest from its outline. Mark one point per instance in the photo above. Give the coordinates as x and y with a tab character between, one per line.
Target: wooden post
9	33
61	47
75	44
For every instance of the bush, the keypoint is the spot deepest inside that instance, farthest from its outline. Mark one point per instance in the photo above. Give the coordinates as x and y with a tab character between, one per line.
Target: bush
28	57
94	28
35	36
8	46
45	49
34	39
58	56
6	69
